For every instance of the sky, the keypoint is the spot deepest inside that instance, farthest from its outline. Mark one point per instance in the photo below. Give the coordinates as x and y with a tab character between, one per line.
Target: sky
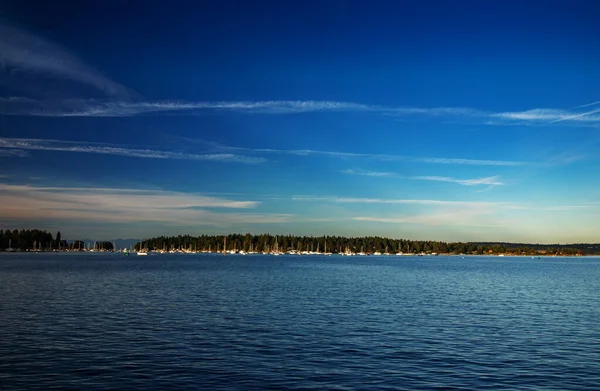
429	120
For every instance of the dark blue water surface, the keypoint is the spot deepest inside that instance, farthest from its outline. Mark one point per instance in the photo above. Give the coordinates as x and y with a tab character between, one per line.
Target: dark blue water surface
171	322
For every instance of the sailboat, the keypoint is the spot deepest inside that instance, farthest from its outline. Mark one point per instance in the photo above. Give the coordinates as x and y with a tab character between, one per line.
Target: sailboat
10	249
252	249
224	245
142	251
326	253
276	248
361	251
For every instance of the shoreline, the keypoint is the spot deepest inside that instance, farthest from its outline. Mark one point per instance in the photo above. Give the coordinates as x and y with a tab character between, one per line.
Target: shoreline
242	253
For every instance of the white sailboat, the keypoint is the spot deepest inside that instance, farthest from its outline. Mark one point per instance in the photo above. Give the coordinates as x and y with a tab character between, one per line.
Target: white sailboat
10	249
326	253
142	251
276	248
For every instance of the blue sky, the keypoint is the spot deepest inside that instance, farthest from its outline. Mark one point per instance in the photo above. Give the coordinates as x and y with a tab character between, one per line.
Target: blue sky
456	121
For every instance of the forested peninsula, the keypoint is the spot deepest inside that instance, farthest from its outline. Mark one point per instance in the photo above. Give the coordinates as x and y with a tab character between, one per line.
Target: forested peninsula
340	245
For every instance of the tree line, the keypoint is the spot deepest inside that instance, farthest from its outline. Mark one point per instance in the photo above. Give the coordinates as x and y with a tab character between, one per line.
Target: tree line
339	244
26	239
36	239
96	246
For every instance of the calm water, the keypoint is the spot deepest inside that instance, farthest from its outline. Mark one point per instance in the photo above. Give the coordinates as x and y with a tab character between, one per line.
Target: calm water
98	321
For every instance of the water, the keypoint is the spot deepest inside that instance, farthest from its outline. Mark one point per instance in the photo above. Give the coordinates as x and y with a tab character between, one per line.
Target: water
106	321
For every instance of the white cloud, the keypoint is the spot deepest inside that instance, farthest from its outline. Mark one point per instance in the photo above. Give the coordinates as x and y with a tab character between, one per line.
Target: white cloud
102	108
359	200
452	213
484	206
125	198
89	205
570	207
550	115
556	208
72	146
587	116
116	108
471	162
17	144
370	173
492	180
436	111
438	219
379	157
589	104
22	51
13	153
445	213
111	108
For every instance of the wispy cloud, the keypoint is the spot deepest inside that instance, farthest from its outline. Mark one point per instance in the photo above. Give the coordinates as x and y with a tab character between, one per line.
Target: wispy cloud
126	198
549	115
376	156
23	51
370	173
587	116
458	218
104	108
439	213
359	200
451	213
471	162
13	153
492	180
589	104
18	147
449	205
116	108
89	205
556	208
570	207
17	144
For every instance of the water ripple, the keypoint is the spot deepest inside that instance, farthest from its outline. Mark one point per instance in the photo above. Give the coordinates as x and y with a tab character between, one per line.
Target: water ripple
79	321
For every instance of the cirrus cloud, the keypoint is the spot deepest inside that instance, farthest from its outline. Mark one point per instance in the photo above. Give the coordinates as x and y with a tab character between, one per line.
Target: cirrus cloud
23	51
20	144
